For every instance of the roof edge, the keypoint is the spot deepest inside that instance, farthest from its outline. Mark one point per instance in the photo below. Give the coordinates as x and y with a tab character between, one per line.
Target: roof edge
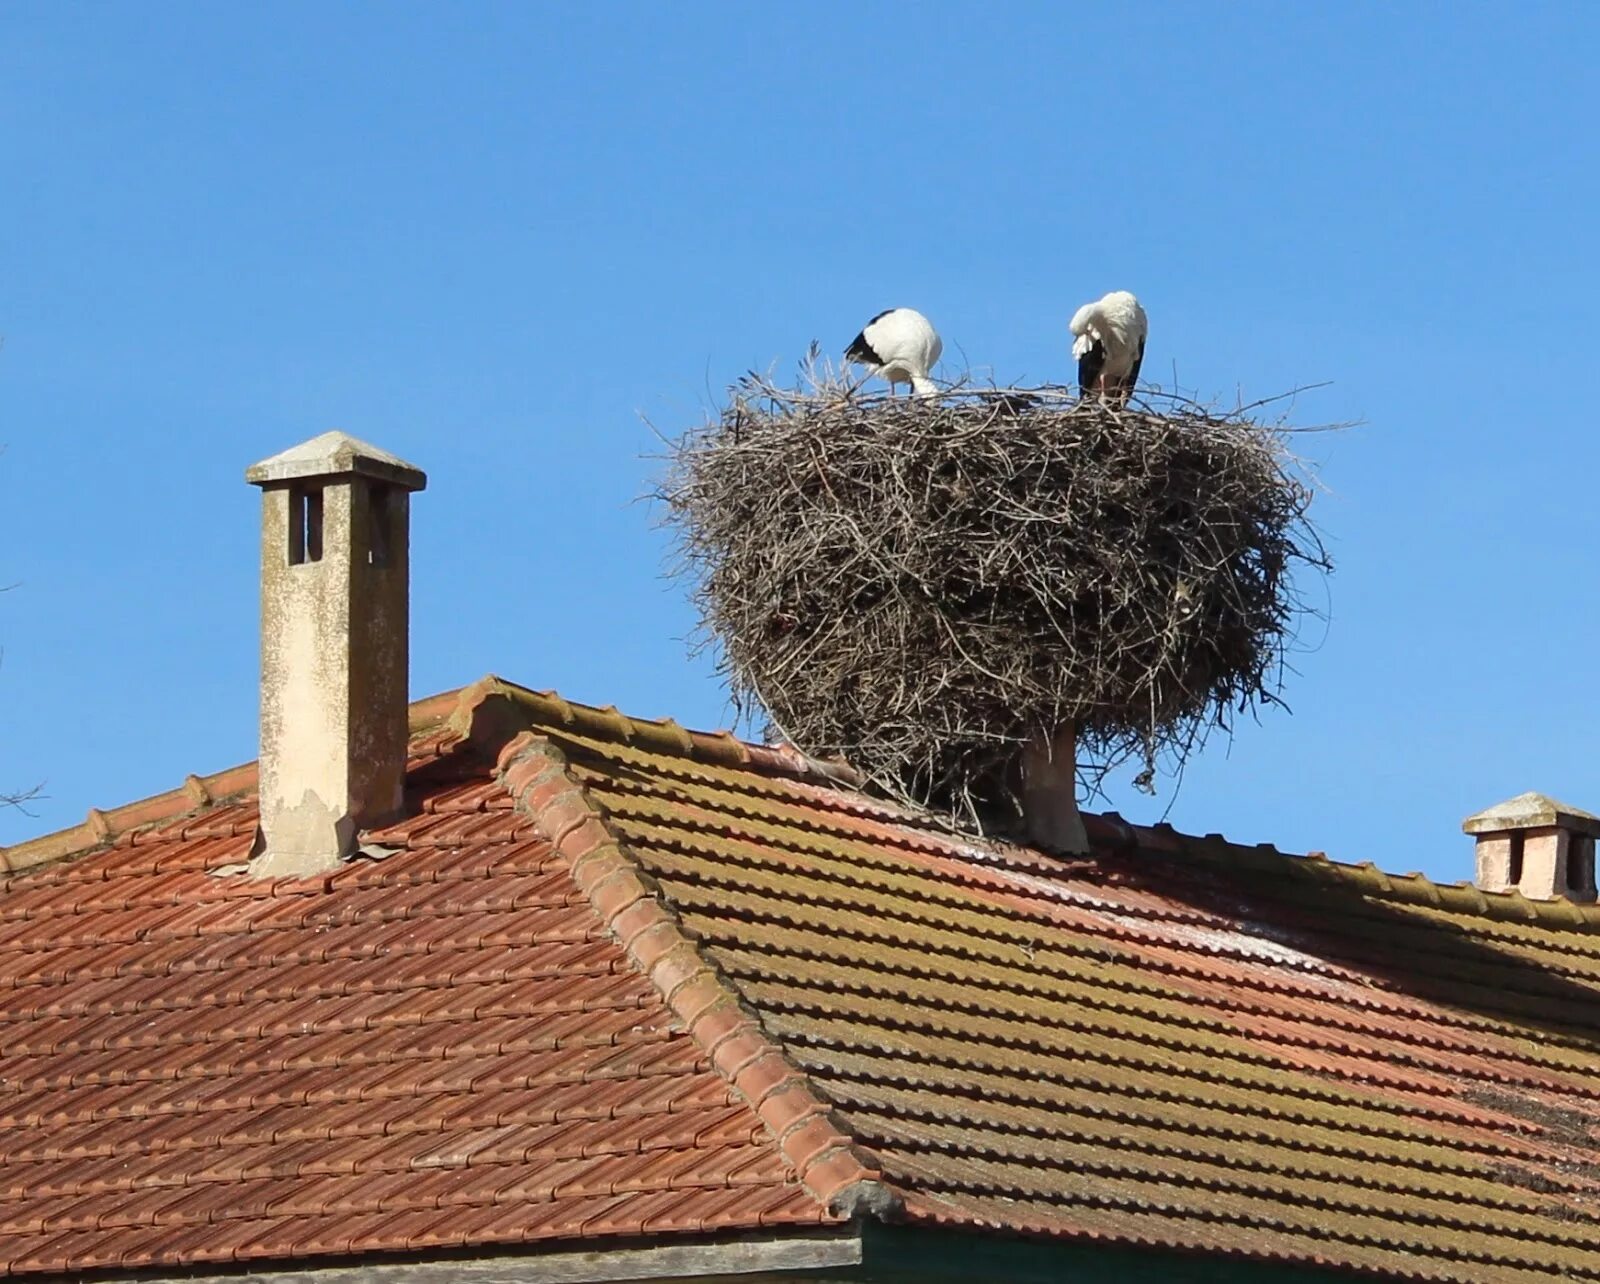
1111	832
663	735
103	827
487	713
833	1168
100	828
776	1253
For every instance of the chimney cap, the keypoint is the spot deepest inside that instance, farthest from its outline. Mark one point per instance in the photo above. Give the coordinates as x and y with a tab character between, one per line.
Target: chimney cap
335	454
1531	811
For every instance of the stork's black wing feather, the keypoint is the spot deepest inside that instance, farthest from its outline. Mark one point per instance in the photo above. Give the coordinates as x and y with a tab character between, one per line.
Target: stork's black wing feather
1090	364
861	350
1132	381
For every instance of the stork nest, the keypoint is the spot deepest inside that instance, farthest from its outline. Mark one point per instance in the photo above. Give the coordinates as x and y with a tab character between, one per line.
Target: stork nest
919	586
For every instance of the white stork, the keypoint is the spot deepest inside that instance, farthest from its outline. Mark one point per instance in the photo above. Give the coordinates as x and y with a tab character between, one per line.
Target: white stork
900	345
1108	341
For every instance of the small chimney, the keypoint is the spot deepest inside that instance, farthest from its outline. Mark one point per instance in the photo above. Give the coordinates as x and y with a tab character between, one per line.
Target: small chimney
1537	846
335	624
1050	792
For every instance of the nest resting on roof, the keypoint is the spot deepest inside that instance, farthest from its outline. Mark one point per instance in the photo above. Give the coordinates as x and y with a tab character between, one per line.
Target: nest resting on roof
921	585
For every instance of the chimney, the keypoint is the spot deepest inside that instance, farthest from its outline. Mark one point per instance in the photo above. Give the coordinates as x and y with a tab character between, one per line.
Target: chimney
335	623
1537	846
1050	792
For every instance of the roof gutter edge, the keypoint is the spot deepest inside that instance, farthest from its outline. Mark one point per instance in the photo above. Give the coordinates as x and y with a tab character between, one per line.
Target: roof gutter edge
796	1254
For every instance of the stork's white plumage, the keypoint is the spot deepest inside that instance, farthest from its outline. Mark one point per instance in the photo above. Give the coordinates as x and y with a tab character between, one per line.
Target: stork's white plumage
899	345
1109	337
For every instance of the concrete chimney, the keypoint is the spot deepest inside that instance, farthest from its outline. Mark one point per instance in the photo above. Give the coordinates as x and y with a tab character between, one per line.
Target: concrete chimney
335	625
1537	846
1050	792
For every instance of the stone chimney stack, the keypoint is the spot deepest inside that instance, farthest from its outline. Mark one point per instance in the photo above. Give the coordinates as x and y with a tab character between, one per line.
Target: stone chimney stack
335	625
1537	846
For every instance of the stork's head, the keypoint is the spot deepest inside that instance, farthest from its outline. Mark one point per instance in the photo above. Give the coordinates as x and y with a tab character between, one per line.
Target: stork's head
1082	327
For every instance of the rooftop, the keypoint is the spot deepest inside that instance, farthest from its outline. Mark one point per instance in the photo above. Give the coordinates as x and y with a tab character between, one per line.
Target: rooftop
609	980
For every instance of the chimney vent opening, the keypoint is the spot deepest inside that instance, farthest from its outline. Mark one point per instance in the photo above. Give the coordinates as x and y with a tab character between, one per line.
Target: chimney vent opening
381	533
305	524
1580	868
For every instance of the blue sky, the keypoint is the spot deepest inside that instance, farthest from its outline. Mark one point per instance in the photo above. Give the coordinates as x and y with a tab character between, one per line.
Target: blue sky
490	238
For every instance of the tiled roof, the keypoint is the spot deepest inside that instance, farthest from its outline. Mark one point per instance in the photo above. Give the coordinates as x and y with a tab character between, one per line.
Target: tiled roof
819	1007
441	1046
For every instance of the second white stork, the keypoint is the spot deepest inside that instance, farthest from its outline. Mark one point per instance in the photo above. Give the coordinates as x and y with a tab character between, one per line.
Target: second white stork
901	346
1108	340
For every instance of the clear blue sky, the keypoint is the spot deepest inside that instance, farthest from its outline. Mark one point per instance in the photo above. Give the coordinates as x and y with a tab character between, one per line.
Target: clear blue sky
489	237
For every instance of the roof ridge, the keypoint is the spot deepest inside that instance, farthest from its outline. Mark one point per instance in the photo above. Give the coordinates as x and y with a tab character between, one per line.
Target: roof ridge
664	735
101	828
104	826
1110	830
462	710
829	1163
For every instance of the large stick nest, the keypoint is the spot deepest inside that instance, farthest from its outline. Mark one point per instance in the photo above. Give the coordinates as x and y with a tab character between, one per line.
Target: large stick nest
922	585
